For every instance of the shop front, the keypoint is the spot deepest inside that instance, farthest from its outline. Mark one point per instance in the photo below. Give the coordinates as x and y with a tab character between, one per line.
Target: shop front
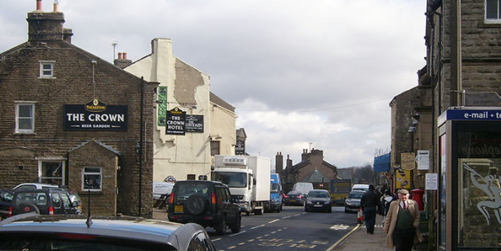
469	194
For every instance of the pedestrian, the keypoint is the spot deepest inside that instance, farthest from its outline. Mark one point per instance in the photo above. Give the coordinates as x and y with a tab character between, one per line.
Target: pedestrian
371	204
401	223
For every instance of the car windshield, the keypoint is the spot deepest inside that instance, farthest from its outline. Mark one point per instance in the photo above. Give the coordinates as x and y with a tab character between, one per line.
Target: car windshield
315	194
35	198
231	179
294	193
187	189
275	188
355	195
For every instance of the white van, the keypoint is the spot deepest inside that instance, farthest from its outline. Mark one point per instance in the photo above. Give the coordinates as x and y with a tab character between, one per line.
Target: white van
303	187
360	187
161	188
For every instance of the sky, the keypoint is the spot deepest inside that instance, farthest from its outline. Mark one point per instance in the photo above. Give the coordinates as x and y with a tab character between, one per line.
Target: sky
302	74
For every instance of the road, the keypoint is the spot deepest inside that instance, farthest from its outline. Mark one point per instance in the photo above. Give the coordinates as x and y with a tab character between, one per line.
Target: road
291	229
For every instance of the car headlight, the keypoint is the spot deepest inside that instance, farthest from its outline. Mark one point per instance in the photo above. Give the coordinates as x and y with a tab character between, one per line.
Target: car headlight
308	202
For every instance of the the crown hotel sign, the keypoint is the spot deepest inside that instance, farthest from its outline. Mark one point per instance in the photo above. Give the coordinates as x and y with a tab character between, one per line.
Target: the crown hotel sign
95	116
176	122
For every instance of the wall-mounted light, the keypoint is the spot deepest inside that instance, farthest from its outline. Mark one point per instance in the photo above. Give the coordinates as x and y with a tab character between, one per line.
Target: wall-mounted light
412	129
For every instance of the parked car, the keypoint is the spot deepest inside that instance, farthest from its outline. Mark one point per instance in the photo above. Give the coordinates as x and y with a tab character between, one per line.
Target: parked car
360	187
42	201
5	202
33	186
318	200
352	202
207	203
74	197
56	232
294	198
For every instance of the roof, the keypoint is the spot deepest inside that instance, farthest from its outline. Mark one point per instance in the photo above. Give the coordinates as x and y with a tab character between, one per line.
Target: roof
219	101
316	177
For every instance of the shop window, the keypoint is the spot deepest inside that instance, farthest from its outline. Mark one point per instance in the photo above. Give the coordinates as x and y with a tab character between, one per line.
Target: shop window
52	172
92	179
25	117
479	199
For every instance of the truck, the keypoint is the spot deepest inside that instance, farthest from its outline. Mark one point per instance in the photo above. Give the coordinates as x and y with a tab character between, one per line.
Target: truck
276	194
248	178
339	190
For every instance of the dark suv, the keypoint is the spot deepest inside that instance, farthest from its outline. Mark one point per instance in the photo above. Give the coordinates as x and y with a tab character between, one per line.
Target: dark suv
207	203
42	201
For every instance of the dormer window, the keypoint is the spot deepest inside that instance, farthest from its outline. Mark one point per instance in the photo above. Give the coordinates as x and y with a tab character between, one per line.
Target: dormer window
47	69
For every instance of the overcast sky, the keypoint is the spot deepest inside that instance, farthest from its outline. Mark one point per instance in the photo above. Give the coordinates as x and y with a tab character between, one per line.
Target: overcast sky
302	74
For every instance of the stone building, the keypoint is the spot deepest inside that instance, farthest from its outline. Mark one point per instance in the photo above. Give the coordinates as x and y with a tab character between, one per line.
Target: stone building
210	121
312	168
461	73
70	118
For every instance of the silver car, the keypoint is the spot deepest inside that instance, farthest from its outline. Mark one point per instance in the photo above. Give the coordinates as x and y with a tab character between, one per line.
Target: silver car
37	232
352	203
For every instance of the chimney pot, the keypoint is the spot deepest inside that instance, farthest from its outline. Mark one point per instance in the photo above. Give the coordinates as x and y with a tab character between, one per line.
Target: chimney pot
39	5
124	55
56	6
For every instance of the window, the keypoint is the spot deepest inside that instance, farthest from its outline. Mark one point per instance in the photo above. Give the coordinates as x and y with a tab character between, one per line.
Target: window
52	172
214	148
25	117
493	11
92	179
46	69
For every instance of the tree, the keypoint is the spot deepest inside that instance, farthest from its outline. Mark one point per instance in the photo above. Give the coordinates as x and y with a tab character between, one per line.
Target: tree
363	174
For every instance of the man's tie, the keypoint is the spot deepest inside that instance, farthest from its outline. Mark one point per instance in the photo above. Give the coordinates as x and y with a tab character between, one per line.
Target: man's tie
405	206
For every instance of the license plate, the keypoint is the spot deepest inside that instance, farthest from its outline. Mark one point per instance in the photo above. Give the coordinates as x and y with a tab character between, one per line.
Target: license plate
317	205
178	208
293	200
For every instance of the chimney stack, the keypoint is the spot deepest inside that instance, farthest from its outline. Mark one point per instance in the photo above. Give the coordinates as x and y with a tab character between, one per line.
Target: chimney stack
279	163
122	60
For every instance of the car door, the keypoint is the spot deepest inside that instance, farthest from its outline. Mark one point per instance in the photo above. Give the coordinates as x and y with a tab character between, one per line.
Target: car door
67	206
57	203
230	208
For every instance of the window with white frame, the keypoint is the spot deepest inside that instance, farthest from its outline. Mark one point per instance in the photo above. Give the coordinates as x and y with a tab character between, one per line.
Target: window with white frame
52	172
25	117
92	178
46	69
493	11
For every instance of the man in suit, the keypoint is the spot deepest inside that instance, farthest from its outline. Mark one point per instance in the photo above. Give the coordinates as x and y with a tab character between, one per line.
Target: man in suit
401	223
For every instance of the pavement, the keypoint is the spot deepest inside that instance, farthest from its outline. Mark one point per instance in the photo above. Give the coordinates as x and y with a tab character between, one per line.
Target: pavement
359	240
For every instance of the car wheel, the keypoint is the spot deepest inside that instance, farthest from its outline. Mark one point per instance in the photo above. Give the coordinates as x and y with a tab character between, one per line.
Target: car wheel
195	204
28	208
235	228
221	226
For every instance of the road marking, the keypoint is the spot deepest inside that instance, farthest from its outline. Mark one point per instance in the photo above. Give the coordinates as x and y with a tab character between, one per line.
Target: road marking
241	232
339	227
258	226
343	238
273	221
